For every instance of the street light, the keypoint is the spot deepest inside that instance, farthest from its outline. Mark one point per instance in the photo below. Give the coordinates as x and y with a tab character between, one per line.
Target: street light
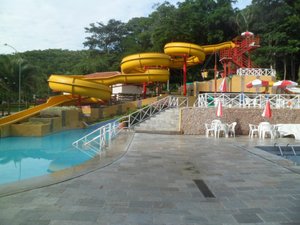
20	71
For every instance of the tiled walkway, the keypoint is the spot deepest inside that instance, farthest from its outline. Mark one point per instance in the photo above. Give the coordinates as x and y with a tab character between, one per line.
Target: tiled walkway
154	183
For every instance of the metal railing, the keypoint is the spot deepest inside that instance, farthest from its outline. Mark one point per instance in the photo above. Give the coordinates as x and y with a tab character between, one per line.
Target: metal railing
256	72
100	138
285	151
241	100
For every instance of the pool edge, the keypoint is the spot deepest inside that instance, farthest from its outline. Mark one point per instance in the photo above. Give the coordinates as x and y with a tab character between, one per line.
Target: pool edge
116	151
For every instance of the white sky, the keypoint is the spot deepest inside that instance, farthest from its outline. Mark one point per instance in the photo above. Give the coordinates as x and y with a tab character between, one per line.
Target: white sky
47	24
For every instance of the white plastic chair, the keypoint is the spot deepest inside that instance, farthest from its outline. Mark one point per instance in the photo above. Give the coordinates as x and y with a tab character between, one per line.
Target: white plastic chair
209	130
231	129
253	129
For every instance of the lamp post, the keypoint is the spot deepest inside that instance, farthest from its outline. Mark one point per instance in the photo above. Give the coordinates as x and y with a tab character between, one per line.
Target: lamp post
20	71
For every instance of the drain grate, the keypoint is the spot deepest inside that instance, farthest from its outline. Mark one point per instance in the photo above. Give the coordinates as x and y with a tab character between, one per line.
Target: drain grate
202	186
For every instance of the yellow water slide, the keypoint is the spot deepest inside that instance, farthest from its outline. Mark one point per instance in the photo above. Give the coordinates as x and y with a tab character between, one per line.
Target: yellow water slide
52	101
136	68
193	53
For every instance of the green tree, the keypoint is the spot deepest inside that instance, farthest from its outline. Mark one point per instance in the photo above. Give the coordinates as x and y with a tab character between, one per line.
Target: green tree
276	22
107	38
163	26
138	38
9	79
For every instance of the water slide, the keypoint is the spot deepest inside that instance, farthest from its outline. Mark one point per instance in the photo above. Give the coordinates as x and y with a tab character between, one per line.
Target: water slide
52	101
136	68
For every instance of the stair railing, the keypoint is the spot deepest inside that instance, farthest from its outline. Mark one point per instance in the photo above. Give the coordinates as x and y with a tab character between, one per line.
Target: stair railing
100	138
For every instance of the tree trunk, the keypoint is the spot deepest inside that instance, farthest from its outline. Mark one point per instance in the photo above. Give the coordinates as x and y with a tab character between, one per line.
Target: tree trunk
8	107
293	69
284	67
298	72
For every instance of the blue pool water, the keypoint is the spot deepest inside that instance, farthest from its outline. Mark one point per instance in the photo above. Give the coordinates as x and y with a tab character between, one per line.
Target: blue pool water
26	157
286	152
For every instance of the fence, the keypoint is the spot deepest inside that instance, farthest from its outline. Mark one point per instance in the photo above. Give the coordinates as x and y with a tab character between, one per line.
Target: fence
100	138
256	72
241	100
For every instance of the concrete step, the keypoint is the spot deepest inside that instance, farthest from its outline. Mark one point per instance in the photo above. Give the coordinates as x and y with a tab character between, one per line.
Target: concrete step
171	132
166	122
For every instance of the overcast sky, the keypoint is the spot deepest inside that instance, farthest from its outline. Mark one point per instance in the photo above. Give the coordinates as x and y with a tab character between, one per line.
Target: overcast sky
44	24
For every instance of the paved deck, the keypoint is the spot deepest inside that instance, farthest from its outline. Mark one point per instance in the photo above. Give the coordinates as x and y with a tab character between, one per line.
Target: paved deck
154	183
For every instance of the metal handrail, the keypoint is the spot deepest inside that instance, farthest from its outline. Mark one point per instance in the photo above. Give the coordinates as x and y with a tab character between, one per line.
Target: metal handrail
100	138
256	72
242	100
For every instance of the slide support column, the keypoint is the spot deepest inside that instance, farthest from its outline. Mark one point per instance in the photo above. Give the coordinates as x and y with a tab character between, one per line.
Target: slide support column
144	90
184	75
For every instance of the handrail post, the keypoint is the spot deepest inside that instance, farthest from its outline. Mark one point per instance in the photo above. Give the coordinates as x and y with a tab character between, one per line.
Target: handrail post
109	134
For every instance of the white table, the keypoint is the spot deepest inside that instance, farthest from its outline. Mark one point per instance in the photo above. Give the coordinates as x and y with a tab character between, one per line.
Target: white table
266	128
222	127
288	129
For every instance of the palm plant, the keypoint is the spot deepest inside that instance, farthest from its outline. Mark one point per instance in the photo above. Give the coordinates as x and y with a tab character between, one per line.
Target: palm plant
9	80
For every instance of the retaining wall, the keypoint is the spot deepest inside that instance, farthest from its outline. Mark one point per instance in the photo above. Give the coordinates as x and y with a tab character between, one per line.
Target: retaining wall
193	119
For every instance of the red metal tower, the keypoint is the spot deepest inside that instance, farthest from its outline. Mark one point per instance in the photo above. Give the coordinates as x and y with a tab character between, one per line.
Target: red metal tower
239	56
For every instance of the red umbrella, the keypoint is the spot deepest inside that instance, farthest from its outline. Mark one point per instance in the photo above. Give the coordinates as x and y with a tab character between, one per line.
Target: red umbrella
284	84
223	86
257	83
219	111
267	111
247	33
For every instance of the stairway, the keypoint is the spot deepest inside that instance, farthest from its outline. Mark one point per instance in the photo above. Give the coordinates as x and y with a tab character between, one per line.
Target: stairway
166	122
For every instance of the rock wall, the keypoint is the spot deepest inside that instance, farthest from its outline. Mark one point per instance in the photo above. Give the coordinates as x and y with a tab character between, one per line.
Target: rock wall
193	119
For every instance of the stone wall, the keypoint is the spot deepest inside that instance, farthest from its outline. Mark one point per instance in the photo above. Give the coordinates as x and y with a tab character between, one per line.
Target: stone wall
55	122
193	119
4	131
29	129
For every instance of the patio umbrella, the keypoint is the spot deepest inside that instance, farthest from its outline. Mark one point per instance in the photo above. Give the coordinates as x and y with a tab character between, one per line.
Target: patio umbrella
247	33
219	111
267	111
284	84
223	86
257	83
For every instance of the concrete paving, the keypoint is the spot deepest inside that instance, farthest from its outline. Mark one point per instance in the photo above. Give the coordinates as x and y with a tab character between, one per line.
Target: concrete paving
166	179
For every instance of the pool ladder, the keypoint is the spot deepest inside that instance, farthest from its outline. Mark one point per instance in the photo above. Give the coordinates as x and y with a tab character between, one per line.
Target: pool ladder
288	145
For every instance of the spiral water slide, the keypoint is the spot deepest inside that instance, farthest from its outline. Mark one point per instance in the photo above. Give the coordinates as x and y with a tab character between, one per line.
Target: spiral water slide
137	68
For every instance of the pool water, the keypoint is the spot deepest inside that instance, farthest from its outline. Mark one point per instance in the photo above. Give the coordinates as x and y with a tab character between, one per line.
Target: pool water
26	157
286	152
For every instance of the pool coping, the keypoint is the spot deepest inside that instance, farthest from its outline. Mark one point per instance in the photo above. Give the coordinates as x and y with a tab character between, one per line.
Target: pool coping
118	148
254	149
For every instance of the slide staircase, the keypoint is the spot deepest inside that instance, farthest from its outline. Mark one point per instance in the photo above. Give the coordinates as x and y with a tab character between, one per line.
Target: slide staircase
240	54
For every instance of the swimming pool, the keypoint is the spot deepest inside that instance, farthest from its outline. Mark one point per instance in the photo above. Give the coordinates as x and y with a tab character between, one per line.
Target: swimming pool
290	152
26	157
